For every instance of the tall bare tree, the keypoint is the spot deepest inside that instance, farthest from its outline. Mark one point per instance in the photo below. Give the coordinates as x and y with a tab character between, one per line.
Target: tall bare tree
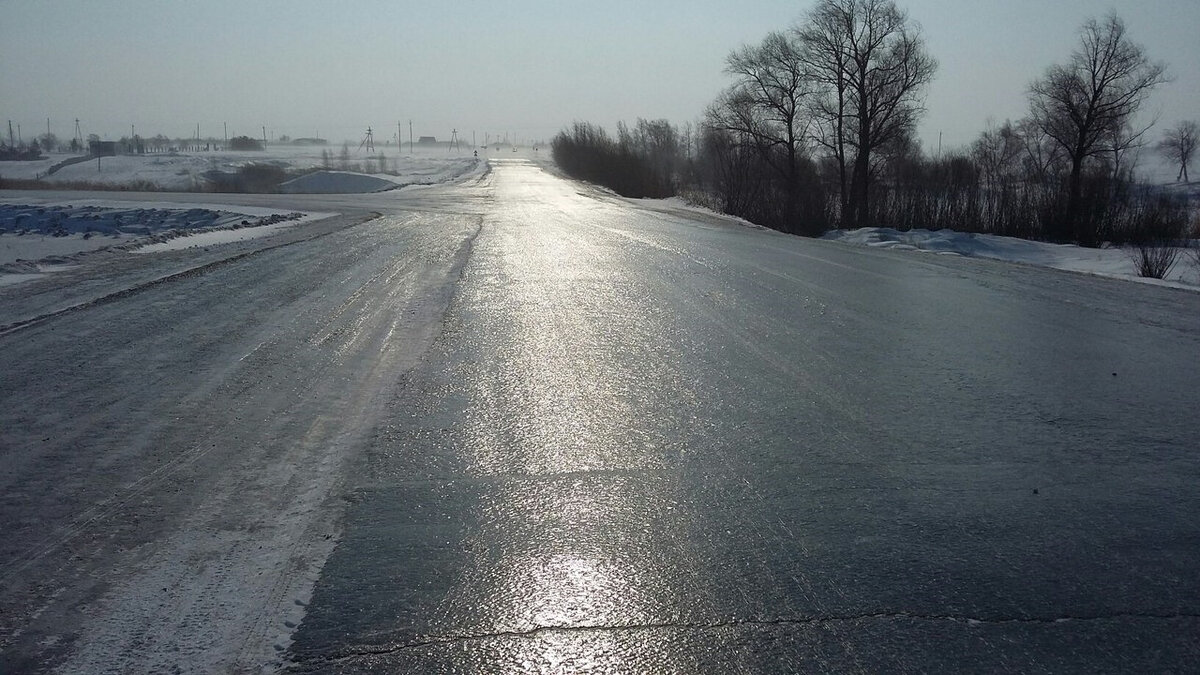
1091	100
826	60
766	105
1179	145
872	66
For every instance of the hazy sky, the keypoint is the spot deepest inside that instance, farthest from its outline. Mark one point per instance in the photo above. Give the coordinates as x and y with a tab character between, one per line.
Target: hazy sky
526	67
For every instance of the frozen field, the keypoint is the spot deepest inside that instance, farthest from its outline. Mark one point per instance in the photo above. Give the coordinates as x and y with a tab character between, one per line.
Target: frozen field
185	171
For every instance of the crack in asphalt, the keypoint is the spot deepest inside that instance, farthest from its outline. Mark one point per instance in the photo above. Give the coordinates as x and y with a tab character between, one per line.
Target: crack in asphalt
452	639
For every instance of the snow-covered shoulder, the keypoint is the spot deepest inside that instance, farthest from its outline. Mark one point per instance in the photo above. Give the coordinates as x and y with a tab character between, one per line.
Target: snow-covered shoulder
1108	261
682	208
38	238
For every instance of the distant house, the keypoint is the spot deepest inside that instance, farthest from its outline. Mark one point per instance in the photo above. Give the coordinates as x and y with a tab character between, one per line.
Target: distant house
427	140
102	148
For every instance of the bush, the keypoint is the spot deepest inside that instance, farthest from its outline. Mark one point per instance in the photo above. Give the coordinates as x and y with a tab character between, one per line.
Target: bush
261	177
1154	261
1158	227
745	179
588	153
1193	242
245	143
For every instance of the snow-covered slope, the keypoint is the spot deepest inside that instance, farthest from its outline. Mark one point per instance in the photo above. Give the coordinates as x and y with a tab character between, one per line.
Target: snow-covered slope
1113	261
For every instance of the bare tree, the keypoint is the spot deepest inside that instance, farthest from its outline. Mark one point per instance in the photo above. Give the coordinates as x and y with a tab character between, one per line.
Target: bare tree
1121	143
1087	103
729	167
766	105
1042	158
826	61
1179	145
658	143
872	66
996	152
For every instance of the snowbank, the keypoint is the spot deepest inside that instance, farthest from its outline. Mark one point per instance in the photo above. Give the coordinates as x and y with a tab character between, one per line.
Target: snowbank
1113	262
41	238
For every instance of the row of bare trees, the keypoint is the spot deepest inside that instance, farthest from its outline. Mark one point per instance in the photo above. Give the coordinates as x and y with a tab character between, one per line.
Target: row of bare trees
817	130
838	88
650	160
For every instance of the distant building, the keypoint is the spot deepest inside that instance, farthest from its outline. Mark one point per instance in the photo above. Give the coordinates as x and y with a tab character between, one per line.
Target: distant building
102	148
427	140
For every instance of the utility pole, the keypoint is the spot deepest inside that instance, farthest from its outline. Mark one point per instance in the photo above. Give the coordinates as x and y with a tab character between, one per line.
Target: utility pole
47	126
410	145
399	138
226	125
368	141
11	143
264	134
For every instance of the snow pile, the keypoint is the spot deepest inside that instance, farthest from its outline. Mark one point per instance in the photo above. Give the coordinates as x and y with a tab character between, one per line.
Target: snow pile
39	238
336	182
1114	262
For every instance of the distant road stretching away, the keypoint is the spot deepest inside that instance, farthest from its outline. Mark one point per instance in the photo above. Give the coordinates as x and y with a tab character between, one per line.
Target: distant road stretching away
519	424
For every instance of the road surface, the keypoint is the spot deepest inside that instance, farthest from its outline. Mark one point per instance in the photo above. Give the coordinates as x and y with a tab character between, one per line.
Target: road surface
522	425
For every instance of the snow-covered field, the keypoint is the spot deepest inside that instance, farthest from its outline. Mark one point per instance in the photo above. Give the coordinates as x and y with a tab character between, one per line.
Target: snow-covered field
185	171
38	238
1112	262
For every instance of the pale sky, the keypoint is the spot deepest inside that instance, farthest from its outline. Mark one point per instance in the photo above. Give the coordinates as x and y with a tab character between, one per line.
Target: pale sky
524	67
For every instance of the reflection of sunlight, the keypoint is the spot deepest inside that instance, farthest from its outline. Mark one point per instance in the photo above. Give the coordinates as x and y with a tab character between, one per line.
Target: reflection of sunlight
563	369
573	653
573	551
567	590
572	518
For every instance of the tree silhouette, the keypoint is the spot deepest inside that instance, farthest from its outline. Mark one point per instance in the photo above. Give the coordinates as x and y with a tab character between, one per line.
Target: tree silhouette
1087	103
1179	145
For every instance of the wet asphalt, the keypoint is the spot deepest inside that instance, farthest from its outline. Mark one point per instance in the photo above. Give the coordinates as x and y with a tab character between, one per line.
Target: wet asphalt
646	441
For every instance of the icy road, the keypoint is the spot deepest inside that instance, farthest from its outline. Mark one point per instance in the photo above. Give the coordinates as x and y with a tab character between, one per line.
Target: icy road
519	425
